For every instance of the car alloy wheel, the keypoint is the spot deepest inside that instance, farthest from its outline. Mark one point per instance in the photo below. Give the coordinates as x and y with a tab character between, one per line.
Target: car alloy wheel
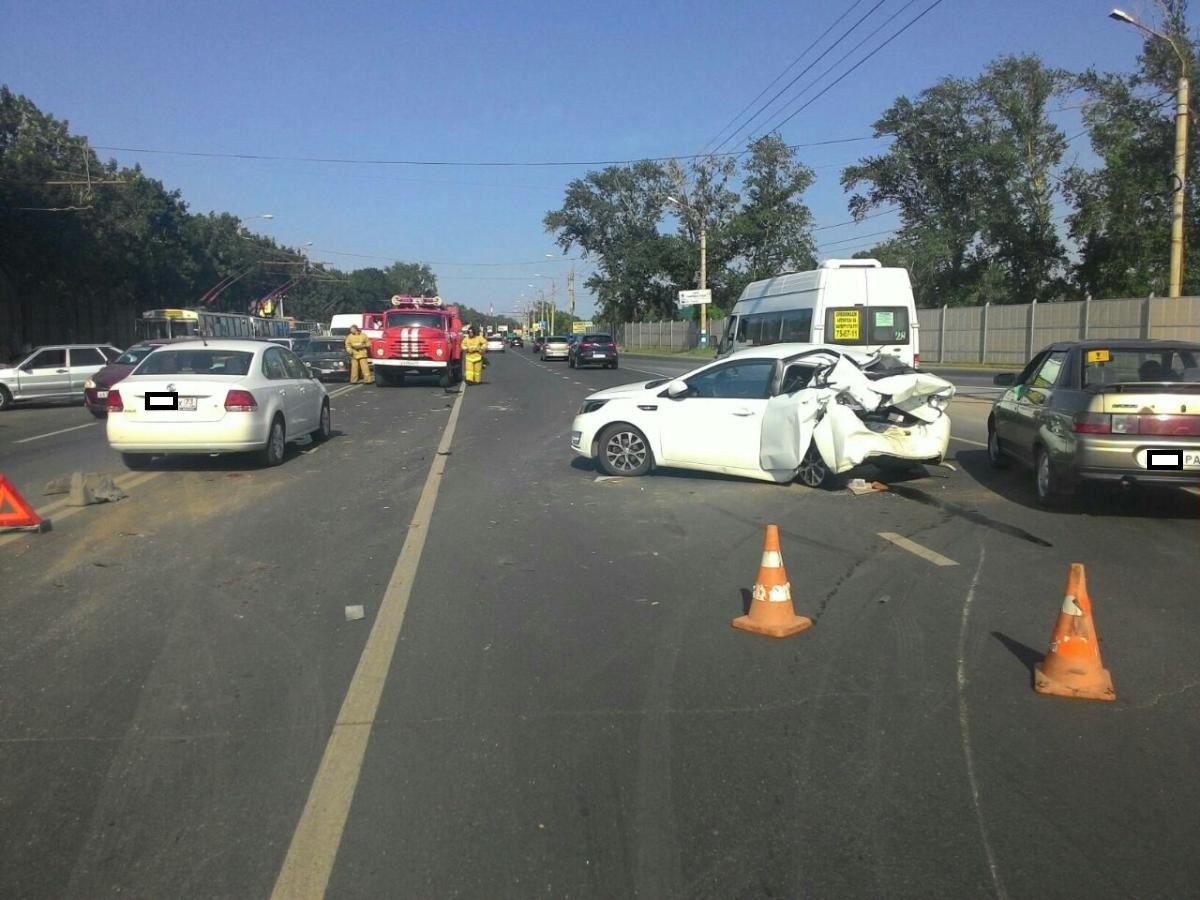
813	472
624	451
1046	481
996	456
272	454
325	429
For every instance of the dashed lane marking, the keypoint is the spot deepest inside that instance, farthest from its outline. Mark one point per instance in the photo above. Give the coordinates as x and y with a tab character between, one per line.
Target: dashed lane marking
38	437
967	441
913	547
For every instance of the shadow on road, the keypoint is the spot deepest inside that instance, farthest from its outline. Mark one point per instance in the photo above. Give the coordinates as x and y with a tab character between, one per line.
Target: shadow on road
1026	654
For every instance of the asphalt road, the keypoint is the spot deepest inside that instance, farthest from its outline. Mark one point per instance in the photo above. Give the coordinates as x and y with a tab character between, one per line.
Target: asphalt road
567	712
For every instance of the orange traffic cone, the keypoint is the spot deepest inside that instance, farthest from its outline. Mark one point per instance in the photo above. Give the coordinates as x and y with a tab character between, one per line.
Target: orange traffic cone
1073	668
771	613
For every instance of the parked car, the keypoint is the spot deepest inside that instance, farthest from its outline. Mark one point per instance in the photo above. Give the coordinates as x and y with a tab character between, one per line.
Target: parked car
326	356
96	388
495	343
515	341
556	346
1124	411
774	413
593	349
538	343
54	372
217	396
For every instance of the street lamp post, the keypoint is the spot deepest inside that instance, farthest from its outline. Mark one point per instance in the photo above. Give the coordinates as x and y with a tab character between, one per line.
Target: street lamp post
1181	125
703	268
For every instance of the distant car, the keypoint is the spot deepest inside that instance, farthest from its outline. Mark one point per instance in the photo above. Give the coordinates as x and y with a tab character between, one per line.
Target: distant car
495	343
216	396
773	413
54	372
556	346
516	341
96	388
1119	410
593	349
538	343
326	356
296	344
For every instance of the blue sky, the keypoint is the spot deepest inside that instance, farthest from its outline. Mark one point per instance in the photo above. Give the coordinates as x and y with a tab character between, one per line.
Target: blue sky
515	82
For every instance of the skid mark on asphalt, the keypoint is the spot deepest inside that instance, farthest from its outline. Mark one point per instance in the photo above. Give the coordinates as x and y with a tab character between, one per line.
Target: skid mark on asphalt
970	515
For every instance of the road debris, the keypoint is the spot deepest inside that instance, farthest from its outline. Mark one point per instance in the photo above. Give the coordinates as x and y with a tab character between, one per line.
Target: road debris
354	613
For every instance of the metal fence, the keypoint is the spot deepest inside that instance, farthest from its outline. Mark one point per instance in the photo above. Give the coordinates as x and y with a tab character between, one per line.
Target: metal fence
656	335
1010	335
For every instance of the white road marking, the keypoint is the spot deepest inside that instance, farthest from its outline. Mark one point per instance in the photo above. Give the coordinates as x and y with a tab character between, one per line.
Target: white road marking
345	389
966	441
965	731
38	437
913	547
314	845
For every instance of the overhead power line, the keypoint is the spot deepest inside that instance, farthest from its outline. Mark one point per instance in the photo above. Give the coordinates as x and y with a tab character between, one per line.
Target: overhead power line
803	53
450	163
802	72
918	17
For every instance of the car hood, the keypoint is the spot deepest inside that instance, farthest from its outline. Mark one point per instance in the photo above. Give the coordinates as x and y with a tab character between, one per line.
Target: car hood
633	389
110	375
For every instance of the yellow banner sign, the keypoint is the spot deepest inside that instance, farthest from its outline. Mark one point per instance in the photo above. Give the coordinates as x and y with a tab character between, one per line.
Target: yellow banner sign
1099	356
846	325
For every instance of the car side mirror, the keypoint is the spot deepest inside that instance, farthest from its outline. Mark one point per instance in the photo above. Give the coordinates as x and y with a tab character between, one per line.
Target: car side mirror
1005	379
677	388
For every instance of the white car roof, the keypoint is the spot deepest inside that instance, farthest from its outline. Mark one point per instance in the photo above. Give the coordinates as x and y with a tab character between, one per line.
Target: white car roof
784	351
250	344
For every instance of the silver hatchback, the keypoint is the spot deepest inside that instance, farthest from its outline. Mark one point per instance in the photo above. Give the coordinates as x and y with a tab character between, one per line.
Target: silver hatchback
56	372
557	346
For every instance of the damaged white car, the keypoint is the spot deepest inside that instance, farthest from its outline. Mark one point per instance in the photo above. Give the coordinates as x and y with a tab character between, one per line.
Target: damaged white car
774	413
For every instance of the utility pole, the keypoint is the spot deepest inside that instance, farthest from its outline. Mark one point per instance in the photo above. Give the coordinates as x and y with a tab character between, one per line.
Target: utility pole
703	282
571	288
553	288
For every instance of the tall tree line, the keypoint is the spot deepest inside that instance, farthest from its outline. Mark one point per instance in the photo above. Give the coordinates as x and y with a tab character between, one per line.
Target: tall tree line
994	203
86	245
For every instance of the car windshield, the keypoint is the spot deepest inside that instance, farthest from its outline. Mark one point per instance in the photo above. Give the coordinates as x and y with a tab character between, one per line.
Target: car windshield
1129	365
201	361
413	320
133	355
325	347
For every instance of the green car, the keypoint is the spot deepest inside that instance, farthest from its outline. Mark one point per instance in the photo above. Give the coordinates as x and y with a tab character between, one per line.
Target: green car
1124	411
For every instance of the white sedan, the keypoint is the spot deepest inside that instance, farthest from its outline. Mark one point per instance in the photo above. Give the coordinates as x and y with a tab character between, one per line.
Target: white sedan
216	396
773	413
495	343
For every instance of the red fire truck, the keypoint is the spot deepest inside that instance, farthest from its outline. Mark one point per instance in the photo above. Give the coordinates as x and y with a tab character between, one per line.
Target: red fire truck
421	336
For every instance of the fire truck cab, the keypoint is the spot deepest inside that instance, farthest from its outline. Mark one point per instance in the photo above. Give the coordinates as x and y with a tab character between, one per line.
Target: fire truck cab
420	336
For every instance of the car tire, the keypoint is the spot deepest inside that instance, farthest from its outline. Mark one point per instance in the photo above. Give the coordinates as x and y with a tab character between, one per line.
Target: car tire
570	363
272	454
612	365
136	461
624	451
6	400
813	472
1046	482
996	457
325	427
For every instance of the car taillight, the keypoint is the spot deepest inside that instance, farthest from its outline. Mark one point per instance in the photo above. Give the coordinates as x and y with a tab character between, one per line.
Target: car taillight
1092	423
1169	426
240	401
115	404
584	345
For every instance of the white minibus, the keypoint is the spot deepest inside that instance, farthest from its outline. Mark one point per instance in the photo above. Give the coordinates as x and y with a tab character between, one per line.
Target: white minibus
852	303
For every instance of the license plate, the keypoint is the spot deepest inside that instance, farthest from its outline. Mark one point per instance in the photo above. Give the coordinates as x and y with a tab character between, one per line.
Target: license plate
1168	459
599	355
187	403
101	395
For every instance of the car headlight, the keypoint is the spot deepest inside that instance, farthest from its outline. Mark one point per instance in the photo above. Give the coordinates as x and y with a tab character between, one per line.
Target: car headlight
89	384
937	402
590	406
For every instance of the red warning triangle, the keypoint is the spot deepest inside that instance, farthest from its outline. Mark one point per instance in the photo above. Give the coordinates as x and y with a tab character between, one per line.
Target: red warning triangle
14	511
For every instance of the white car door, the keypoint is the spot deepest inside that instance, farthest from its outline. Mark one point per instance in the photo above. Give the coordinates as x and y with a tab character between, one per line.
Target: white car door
278	382
718	422
308	390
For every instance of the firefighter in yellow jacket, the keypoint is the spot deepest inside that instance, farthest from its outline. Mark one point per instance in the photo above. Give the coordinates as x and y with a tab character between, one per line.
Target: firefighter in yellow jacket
473	348
358	345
